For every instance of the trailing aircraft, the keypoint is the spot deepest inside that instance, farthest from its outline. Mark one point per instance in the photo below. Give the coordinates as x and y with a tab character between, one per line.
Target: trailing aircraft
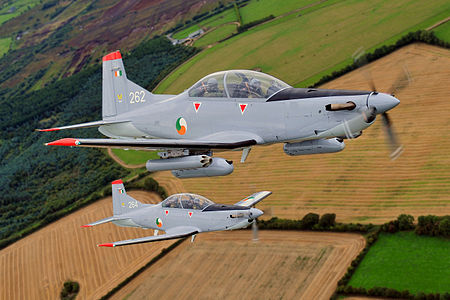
228	110
179	215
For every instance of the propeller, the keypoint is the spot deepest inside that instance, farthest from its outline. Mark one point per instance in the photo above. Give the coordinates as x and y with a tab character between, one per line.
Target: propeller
401	82
255	231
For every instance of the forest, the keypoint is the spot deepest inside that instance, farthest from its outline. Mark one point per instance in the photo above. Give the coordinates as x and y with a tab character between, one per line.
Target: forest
38	181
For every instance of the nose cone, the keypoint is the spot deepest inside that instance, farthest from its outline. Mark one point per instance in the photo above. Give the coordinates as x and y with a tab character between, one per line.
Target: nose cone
383	102
255	213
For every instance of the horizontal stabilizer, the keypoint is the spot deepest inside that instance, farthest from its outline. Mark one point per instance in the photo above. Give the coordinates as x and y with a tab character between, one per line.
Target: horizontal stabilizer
253	199
174	233
103	221
82	125
151	144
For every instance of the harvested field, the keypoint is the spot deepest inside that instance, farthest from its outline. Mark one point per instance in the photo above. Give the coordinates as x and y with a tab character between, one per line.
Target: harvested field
228	265
359	184
37	266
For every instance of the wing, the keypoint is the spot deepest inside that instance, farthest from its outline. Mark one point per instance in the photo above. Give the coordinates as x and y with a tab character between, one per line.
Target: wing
174	233
153	144
253	199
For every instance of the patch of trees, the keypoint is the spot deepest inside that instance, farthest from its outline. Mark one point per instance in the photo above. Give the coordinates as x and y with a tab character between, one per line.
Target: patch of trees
312	221
433	226
245	27
388	293
70	290
423	36
41	184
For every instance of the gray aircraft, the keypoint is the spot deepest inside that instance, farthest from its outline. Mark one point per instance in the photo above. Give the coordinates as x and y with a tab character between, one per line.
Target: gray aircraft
228	110
179	215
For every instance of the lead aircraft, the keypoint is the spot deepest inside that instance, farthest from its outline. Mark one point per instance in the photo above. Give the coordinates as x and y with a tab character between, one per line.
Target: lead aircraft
228	110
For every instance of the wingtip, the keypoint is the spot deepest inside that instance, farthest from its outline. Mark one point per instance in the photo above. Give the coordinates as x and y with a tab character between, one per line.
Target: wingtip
118	181
47	129
106	245
64	142
83	226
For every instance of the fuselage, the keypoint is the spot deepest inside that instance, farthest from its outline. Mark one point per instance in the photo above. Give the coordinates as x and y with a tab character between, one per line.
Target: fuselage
213	218
264	120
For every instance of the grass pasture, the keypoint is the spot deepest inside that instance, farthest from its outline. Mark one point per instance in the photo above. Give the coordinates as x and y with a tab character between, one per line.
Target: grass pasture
258	9
405	261
4	45
300	49
134	157
222	18
216	35
443	31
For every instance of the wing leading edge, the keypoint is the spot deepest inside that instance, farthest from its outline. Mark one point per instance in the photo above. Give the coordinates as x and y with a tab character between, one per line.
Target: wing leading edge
175	233
151	144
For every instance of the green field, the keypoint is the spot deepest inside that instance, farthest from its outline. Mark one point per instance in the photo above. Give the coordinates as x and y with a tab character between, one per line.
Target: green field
4	45
16	8
405	261
216	35
224	17
134	157
258	9
443	31
301	49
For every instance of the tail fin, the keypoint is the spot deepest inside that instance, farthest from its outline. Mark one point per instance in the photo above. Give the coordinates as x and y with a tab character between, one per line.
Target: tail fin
119	94
122	203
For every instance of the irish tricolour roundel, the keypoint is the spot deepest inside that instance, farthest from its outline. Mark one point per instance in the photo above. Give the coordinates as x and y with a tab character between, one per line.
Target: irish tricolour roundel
181	126
158	222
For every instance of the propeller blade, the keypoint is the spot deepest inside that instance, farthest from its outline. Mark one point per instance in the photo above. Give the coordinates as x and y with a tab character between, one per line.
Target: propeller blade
396	148
360	59
255	231
401	82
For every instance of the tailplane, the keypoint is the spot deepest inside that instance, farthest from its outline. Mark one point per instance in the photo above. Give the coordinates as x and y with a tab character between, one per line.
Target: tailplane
119	95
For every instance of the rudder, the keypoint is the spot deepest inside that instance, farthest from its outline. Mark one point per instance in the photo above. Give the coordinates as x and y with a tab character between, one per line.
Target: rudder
122	203
119	95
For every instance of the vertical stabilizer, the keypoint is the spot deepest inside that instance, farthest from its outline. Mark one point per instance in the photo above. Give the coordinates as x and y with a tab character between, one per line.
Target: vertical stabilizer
122	203
119	95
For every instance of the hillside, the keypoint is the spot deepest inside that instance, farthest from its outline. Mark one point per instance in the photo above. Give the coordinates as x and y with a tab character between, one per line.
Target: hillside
54	39
359	184
228	265
37	266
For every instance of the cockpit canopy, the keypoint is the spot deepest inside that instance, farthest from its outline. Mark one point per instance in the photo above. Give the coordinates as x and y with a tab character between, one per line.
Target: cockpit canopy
237	84
186	201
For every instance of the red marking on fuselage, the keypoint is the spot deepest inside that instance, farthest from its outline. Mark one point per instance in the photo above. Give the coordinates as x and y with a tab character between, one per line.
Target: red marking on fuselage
242	107
112	56
197	106
190	214
167	212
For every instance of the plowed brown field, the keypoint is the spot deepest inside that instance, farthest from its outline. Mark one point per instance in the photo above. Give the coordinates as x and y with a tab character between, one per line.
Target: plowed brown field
359	184
228	265
37	266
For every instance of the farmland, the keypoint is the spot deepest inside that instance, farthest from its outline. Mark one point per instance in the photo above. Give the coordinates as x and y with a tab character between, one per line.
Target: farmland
339	28
228	265
37	266
405	261
359	184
